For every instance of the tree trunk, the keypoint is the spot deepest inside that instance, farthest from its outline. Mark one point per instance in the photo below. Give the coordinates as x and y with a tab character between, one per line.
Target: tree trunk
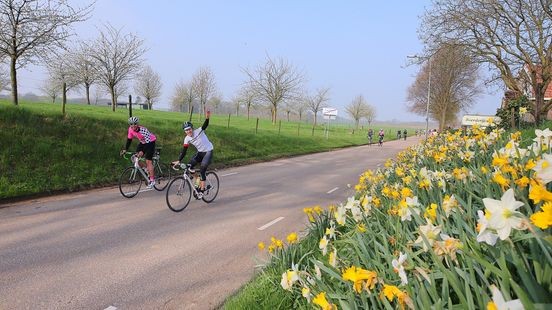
87	86
64	98
13	75
113	99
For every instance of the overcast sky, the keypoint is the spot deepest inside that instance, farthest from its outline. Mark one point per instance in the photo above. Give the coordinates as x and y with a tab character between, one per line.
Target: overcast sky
352	47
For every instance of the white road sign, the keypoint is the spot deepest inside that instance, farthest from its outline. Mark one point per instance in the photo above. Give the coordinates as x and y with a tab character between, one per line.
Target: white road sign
481	120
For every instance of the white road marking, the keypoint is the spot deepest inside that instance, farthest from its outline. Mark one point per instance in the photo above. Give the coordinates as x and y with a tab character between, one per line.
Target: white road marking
111	308
231	173
265	226
332	190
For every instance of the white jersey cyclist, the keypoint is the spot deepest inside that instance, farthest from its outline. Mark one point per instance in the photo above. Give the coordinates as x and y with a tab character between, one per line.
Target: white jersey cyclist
199	140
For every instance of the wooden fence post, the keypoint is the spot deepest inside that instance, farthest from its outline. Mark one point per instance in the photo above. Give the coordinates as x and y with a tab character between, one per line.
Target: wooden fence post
129	105
279	126
228	120
257	126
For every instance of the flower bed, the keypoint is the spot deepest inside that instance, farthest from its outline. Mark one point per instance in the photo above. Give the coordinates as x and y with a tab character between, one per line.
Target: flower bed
459	221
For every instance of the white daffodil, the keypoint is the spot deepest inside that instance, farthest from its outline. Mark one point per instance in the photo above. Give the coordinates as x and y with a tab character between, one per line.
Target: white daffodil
305	291
485	235
398	267
411	207
288	278
352	203
543	168
430	232
330	231
503	214
367	204
340	215
323	245
317	272
357	213
499	302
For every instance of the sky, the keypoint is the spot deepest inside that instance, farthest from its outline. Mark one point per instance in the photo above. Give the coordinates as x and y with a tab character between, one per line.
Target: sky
352	47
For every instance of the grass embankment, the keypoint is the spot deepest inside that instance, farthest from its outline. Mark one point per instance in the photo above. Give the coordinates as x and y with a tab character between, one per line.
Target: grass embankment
43	152
414	235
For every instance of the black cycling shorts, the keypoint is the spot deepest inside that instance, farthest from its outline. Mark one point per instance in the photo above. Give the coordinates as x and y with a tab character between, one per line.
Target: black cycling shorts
147	148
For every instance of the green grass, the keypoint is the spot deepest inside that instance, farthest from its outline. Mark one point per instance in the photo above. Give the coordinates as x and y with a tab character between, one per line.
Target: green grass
44	152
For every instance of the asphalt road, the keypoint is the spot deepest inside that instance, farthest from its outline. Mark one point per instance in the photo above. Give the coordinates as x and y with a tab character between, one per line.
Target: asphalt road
99	250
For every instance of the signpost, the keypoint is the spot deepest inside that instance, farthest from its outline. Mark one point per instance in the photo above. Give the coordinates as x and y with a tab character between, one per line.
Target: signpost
329	114
480	120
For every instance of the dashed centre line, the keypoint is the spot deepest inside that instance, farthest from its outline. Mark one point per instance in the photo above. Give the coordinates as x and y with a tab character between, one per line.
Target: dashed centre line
265	226
332	190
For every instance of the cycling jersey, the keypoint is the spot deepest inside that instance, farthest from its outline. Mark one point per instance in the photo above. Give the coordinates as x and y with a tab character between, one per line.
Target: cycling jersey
143	135
199	140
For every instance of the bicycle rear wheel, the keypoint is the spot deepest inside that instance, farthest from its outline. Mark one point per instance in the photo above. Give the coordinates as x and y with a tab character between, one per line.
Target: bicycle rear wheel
211	187
162	176
130	182
178	194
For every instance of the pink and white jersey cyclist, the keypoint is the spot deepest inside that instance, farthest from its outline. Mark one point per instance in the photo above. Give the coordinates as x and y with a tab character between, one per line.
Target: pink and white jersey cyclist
146	147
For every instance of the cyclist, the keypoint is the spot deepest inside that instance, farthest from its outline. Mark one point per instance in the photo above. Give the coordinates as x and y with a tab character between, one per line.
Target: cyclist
199	140
146	146
370	135
381	134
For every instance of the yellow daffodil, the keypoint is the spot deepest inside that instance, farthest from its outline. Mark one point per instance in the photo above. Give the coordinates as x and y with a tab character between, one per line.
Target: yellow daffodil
360	278
543	219
538	192
261	246
320	300
292	238
431	212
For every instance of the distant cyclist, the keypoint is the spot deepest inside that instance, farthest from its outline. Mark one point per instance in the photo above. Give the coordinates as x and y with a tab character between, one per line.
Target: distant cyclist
146	146
381	134
370	135
199	140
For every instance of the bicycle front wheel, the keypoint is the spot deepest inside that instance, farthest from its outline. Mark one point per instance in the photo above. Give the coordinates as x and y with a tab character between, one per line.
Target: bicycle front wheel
178	194
211	187
130	182
162	176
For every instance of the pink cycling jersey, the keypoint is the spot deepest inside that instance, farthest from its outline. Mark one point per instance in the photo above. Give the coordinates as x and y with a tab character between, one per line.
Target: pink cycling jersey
143	135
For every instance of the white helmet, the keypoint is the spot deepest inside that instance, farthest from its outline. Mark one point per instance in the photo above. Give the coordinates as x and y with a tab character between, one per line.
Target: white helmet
133	120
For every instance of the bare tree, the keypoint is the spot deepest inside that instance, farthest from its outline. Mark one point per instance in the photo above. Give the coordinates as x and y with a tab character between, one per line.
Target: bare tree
204	86
317	101
148	85
215	101
275	82
370	114
453	85
61	72
51	88
118	56
512	37
183	94
31	28
301	107
83	69
358	109
247	96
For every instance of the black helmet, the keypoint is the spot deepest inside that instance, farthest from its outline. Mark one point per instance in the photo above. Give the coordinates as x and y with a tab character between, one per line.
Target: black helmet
187	125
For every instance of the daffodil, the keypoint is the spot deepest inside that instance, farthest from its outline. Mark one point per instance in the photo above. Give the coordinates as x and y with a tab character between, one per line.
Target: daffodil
360	278
484	234
340	215
261	246
498	302
305	291
323	245
543	219
332	260
503	214
543	168
398	267
428	232
292	238
288	278
320	300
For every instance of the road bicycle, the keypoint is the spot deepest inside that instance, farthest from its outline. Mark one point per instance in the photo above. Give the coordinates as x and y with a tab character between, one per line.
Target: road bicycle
132	177
182	188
